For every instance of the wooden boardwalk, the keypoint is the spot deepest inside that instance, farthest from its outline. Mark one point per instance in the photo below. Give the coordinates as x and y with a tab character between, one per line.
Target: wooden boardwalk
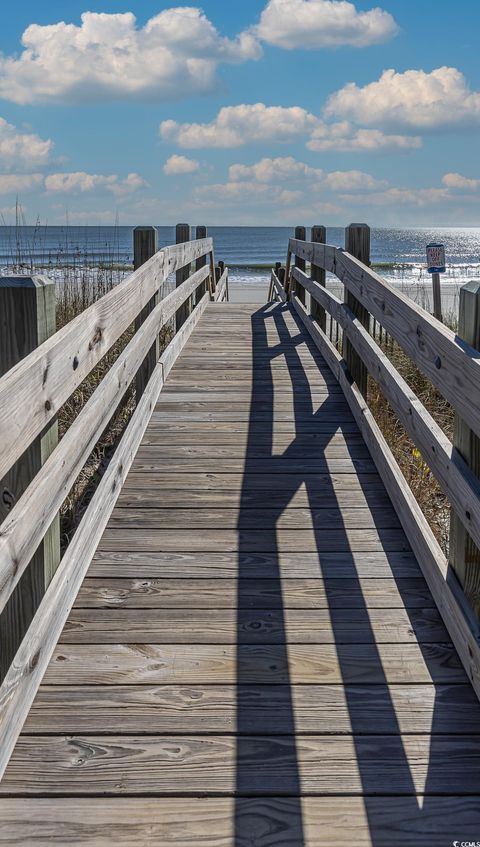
254	658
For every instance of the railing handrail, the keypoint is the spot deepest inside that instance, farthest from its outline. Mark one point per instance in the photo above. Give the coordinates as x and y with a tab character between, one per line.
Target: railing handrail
32	392
434	348
48	376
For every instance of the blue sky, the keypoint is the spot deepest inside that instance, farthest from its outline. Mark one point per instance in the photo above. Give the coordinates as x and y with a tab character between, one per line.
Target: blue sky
276	111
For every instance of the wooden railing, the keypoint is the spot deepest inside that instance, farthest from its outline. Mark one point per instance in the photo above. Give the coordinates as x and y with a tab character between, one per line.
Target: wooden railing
451	363
32	392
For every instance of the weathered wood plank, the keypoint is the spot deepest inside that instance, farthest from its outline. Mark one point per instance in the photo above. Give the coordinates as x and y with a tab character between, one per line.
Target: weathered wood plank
147	462
354	497
264	709
261	518
251	540
256	481
222	822
256	441
189	664
135	564
253	626
166	765
142	593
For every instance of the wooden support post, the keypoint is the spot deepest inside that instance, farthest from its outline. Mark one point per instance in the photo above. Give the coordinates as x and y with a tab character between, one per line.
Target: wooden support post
437	297
357	243
183	233
301	235
319	236
145	245
464	555
27	319
201	232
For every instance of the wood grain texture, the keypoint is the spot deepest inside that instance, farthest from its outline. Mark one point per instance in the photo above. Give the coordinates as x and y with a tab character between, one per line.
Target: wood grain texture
255	540
156	765
228	822
326	518
375	709
189	664
278	564
253	626
141	593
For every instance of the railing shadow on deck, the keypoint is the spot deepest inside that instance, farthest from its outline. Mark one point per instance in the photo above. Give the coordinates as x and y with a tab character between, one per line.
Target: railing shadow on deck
273	769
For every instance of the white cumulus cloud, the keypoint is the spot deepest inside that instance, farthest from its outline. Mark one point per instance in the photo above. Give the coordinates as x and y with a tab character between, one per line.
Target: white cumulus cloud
242	124
343	137
108	57
20	149
413	99
180	165
323	23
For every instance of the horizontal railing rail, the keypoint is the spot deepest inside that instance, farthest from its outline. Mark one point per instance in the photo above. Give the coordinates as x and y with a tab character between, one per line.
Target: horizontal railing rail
31	394
453	368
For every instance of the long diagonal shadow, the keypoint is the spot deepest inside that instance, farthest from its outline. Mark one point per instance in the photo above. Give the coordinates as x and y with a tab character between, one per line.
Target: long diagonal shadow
268	756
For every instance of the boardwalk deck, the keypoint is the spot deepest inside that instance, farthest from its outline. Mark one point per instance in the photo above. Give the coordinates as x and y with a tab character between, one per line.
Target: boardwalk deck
254	658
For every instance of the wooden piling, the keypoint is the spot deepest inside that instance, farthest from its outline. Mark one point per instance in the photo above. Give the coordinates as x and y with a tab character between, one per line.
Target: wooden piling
319	236
357	243
27	319
145	245
301	235
200	232
183	233
464	554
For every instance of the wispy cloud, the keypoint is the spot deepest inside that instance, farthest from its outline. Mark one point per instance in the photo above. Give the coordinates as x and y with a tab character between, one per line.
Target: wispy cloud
20	149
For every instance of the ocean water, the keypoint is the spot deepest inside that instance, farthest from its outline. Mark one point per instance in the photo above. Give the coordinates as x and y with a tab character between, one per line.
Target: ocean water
398	254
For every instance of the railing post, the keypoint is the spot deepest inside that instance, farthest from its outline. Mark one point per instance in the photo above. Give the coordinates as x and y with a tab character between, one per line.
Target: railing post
357	243
183	233
201	232
27	319
319	236
145	245
464	554
300	235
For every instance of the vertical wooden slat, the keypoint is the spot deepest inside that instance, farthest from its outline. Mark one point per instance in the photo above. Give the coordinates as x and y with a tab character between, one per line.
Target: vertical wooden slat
201	232
145	245
183	233
27	319
464	554
357	243
319	236
301	235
